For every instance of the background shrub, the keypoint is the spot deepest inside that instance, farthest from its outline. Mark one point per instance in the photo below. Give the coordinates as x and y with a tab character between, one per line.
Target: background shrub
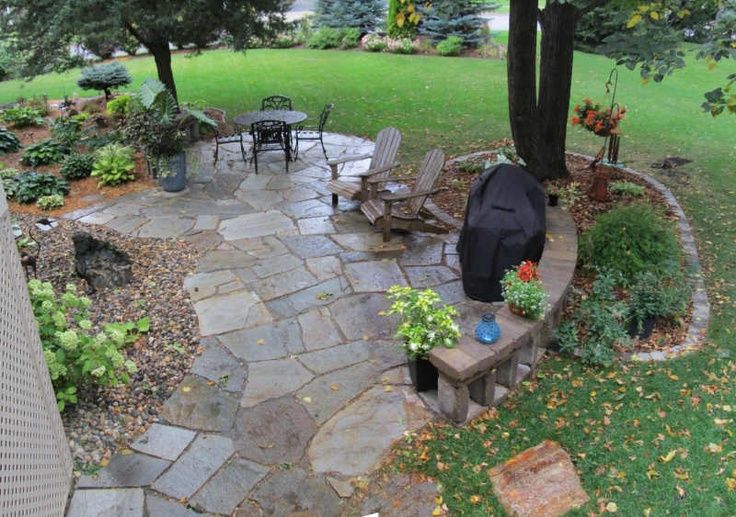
50	202
9	143
77	166
119	106
33	185
400	46
629	240
105	77
67	130
374	43
452	46
22	116
324	38
350	38
113	165
364	15
460	18
626	188
654	296
44	152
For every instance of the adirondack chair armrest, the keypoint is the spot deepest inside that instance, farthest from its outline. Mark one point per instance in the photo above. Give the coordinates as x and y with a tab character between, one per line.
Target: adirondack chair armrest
351	158
392	198
388	179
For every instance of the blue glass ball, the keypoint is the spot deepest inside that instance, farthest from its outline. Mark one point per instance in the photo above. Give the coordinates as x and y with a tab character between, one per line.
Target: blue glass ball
487	331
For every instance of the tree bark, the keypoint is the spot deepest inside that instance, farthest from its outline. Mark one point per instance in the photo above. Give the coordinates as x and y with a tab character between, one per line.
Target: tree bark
162	57
539	121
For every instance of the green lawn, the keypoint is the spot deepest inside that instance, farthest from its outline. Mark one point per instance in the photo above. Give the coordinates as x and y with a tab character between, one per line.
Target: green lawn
618	424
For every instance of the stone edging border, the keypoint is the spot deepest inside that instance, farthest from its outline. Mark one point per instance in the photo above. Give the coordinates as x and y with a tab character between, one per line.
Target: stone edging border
700	318
695	337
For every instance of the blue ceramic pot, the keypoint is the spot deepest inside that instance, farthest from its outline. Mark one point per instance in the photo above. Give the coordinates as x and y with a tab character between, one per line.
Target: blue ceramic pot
487	331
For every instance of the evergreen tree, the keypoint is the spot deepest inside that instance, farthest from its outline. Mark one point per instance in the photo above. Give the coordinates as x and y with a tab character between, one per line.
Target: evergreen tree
365	15
443	18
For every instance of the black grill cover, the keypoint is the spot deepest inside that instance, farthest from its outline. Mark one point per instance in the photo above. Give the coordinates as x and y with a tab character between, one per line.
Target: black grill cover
504	225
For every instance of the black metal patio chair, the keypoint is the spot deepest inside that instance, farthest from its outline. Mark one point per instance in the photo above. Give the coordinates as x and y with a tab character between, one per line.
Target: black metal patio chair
276	102
314	133
226	134
270	135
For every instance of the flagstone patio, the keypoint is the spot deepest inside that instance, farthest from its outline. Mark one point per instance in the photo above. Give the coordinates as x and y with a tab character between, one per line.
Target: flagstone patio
300	387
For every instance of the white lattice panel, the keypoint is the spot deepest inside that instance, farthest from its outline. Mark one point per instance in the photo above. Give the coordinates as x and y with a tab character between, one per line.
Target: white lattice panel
35	464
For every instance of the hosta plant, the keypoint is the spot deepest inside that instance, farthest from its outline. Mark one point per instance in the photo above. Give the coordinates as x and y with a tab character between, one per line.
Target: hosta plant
34	185
114	165
8	177
77	355
524	292
50	202
67	130
44	153
425	322
9	143
22	116
77	166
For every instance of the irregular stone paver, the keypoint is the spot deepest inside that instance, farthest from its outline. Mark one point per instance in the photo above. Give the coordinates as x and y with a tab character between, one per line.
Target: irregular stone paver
399	496
289	492
126	470
198	405
265	342
121	502
273	379
232	311
224	492
375	276
367	427
164	441
159	507
274	432
206	455
288	293
256	225
218	365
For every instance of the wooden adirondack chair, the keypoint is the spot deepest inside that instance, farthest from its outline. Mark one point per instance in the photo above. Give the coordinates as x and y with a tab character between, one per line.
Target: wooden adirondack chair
406	211
383	160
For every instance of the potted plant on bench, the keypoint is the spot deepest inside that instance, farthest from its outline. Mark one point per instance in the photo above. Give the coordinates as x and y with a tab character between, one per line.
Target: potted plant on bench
524	292
425	323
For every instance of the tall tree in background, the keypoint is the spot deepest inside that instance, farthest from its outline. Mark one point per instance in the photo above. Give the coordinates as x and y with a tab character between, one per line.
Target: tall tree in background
45	31
365	15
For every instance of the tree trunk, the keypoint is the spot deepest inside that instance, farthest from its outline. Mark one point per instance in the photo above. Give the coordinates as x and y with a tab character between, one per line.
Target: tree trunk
539	122
162	56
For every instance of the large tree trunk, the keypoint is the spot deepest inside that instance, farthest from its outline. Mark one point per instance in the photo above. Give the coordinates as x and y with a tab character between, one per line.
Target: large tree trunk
162	57
539	122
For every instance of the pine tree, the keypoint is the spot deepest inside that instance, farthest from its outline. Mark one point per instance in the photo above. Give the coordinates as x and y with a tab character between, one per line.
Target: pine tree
365	15
460	18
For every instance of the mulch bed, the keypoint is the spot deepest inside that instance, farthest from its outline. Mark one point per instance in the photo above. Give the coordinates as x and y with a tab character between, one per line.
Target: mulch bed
105	419
457	179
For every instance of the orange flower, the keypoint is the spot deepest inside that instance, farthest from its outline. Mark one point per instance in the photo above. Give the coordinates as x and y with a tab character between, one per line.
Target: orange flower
527	271
575	121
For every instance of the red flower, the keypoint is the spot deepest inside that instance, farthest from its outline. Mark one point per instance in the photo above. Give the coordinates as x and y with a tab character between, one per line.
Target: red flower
527	271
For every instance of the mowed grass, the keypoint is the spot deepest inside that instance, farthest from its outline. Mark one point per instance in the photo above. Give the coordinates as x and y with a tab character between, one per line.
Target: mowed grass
648	438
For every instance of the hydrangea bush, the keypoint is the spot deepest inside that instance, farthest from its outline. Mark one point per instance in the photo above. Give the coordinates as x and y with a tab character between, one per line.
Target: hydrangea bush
524	291
425	322
75	354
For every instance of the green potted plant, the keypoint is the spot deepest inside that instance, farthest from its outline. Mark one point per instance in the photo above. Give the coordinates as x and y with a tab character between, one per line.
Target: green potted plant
553	194
524	292
425	323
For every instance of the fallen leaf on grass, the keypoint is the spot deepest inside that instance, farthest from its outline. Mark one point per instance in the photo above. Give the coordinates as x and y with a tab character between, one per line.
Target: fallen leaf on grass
669	456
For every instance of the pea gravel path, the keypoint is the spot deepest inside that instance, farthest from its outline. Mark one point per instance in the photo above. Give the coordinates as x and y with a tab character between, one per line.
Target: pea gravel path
300	388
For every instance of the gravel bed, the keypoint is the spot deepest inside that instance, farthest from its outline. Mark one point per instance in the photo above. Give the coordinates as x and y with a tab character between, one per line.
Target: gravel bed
107	419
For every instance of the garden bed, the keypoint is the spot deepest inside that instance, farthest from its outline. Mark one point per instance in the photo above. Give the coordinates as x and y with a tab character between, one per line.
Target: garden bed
452	198
105	419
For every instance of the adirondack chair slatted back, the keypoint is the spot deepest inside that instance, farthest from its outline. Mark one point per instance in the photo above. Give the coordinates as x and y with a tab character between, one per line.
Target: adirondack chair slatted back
429	173
387	145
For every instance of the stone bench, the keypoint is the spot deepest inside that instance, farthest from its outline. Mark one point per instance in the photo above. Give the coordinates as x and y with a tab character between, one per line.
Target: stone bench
475	376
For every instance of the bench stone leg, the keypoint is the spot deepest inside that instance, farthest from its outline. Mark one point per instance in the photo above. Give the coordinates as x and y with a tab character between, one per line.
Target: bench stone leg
506	373
529	353
453	399
483	390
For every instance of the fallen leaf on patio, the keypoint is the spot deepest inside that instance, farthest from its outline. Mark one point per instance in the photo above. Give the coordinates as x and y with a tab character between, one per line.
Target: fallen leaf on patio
186	389
334	387
261	342
308	400
388	388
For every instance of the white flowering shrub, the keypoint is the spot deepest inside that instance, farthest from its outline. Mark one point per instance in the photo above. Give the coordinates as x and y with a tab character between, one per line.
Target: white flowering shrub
425	322
75	355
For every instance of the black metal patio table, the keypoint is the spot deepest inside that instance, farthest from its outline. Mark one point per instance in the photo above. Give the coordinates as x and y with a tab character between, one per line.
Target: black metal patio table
289	117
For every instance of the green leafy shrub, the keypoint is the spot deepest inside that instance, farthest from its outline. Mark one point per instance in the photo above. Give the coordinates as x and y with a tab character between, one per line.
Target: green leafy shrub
425	323
653	296
601	319
95	139
119	106
452	46
403	18
44	152
33	185
9	143
76	356
50	202
324	38
626	189
9	178
77	166
629	240
105	77
374	43
40	103
22	116
67	130
113	165
350	38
